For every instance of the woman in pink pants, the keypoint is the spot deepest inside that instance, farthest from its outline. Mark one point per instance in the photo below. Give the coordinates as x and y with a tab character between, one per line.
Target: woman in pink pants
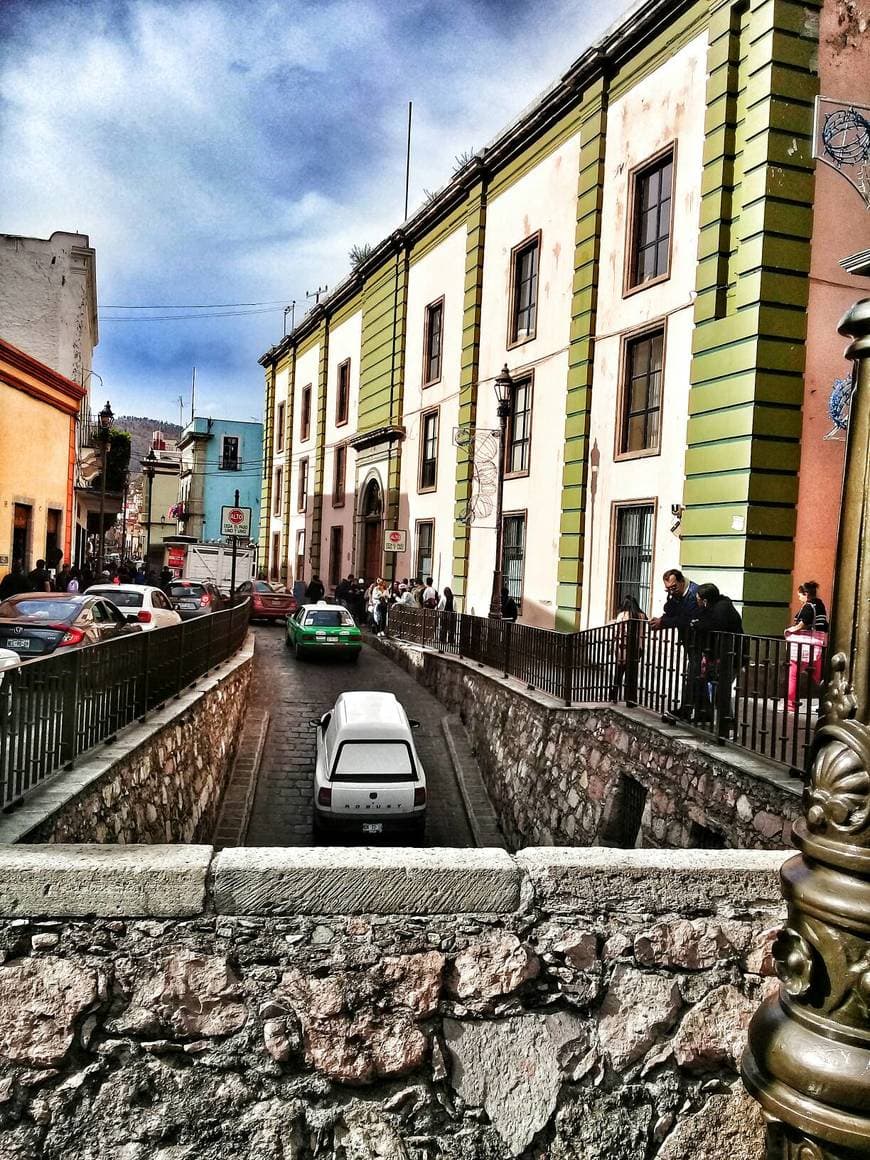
807	637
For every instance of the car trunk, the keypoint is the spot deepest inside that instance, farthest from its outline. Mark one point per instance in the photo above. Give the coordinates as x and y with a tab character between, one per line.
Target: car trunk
29	639
374	780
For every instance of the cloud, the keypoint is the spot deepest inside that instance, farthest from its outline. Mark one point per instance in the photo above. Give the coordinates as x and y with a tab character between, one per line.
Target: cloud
224	151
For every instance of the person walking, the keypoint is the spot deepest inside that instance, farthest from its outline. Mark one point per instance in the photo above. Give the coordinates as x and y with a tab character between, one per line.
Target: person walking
808	637
448	620
628	645
430	594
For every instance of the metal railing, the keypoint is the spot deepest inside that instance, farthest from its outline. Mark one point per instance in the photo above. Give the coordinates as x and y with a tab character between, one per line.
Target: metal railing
57	707
758	692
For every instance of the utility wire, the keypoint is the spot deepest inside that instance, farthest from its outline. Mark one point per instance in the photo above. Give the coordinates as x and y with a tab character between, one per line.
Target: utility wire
178	317
197	306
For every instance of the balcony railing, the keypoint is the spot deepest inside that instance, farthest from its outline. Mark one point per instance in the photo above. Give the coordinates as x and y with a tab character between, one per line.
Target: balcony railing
757	692
56	708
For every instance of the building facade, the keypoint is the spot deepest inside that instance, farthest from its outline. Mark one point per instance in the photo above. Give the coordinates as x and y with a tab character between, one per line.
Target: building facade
37	460
648	251
218	457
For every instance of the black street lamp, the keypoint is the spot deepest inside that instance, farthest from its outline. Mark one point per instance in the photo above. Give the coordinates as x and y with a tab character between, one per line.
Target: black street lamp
149	466
106	419
503	387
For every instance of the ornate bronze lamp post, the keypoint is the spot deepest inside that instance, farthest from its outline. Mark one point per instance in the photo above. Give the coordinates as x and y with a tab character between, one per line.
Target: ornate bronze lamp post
106	419
503	386
808	1059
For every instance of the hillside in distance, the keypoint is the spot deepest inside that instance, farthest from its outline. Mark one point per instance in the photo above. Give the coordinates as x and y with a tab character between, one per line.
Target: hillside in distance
141	431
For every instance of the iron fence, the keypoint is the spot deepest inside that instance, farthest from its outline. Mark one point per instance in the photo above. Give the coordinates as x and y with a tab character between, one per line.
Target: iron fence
760	693
57	707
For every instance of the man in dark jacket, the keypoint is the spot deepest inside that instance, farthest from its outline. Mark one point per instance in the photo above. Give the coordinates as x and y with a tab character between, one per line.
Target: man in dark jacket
14	582
315	590
717	629
40	581
681	608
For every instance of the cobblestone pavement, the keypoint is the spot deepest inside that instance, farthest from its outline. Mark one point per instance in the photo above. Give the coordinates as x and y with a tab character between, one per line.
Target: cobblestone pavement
293	692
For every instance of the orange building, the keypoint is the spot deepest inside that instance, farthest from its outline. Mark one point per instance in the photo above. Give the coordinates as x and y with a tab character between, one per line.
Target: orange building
40	409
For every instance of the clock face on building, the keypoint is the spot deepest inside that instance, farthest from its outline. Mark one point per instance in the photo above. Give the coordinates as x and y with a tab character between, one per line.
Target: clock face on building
846	137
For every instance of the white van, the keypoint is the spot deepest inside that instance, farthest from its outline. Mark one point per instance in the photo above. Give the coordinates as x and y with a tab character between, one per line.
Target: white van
368	779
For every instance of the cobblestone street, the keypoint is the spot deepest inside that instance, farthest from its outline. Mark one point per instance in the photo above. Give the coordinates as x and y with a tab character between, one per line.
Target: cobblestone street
293	692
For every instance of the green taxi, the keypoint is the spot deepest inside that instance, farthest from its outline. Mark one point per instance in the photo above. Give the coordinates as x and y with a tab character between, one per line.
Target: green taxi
318	629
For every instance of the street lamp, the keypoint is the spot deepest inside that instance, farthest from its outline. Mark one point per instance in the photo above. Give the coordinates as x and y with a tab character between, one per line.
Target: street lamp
503	387
149	466
106	418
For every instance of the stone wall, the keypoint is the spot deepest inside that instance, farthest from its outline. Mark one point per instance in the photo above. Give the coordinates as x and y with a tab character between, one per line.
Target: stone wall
565	1004
160	781
557	776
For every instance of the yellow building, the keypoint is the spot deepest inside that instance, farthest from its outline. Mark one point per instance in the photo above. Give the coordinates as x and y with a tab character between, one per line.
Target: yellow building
37	460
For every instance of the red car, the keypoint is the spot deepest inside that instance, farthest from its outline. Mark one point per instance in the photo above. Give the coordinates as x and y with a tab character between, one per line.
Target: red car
268	601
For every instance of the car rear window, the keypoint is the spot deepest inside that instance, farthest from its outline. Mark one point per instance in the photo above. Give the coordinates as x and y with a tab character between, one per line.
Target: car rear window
263	586
186	590
119	599
374	761
329	618
41	609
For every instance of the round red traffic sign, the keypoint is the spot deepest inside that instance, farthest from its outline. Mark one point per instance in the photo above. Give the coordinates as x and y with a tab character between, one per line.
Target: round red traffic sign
236	516
394	537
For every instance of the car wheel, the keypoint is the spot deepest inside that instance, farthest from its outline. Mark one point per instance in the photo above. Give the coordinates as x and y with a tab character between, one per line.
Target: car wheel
287	641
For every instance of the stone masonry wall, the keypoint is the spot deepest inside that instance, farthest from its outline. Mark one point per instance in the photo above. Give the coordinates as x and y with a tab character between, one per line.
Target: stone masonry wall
161	781
554	774
566	1004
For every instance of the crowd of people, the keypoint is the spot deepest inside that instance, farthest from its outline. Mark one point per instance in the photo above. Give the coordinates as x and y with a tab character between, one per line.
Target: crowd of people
67	578
369	602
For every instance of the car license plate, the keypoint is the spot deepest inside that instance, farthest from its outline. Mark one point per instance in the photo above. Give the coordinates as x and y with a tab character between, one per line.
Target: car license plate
186	604
373	827
23	645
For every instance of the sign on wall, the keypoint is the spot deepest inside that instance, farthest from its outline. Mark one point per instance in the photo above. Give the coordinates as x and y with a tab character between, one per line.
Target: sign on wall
236	521
396	541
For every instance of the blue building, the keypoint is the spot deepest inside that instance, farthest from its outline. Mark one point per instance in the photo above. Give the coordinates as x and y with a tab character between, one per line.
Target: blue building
218	456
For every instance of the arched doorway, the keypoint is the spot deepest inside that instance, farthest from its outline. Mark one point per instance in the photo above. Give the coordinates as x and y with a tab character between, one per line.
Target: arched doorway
372	517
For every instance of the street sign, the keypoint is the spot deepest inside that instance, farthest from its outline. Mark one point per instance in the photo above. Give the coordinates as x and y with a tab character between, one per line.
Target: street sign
236	521
395	541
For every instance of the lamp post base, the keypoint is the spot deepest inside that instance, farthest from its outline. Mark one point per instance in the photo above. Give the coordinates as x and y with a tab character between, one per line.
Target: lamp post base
495	602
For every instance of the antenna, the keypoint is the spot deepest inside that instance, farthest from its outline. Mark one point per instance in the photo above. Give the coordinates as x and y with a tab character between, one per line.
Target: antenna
291	310
408	159
180	411
315	294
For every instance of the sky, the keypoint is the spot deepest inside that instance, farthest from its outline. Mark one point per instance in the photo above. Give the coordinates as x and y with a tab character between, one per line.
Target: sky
233	151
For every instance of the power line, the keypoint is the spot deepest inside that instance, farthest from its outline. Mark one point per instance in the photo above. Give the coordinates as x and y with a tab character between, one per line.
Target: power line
197	306
179	317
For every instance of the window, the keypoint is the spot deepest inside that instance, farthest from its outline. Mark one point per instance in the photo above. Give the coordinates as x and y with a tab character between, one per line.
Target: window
633	539
651	201
300	555
342	396
338	484
433	328
229	453
425	548
279	489
524	291
336	535
518	443
514	555
302	494
305	418
276	554
279	430
428	451
640	423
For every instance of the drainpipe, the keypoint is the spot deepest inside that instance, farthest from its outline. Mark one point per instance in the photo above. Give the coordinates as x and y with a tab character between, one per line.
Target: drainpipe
808	1059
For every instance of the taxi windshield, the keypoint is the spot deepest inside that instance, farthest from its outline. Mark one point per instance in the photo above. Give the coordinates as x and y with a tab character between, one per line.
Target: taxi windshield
329	618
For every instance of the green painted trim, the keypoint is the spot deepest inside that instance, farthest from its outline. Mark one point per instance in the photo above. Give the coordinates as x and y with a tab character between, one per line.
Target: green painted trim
581	356
678	33
344	312
743	450
289	413
268	458
319	448
439	233
537	151
475	211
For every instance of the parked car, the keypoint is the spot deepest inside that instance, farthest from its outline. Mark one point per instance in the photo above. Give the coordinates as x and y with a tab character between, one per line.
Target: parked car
268	601
318	629
368	777
148	606
34	624
9	662
192	598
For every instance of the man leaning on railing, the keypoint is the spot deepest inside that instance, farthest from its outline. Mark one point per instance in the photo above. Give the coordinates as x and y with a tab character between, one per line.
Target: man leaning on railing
716	631
681	608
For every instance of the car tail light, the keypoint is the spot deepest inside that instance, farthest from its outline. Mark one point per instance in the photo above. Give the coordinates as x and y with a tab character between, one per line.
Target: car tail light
420	796
144	616
324	796
70	635
205	599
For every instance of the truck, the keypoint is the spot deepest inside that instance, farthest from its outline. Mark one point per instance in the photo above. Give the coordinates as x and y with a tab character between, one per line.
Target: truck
214	562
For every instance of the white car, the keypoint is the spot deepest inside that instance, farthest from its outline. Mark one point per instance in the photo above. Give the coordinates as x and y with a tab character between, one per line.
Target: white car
368	778
149	606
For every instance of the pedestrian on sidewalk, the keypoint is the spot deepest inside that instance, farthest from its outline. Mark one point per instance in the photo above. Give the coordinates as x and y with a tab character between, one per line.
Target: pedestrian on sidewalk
807	636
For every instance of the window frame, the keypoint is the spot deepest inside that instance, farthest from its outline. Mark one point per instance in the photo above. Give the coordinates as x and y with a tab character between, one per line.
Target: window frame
424	415
520	377
278	489
338	497
629	286
279	425
299	557
342	415
418	570
523	514
615	508
335	572
627	339
427	338
305	415
302	486
533	241
223	464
